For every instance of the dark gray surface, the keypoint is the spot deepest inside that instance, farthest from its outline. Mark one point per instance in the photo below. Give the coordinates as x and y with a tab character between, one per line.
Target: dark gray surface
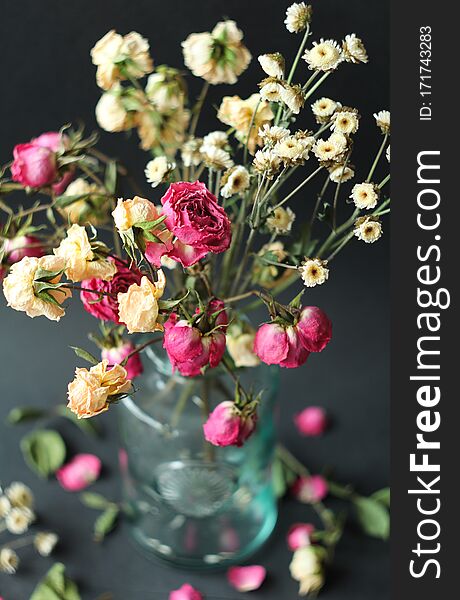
49	80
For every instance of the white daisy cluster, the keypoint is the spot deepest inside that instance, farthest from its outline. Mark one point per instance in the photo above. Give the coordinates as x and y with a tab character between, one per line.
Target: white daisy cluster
314	271
16	516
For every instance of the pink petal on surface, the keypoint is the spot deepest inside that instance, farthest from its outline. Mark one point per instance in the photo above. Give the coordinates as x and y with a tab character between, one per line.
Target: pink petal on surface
186	592
80	472
299	535
311	421
246	579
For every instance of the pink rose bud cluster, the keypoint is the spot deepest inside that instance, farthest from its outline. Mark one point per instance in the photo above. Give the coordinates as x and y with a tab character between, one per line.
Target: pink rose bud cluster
190	349
310	489
290	345
197	221
105	307
311	421
227	425
35	163
117	355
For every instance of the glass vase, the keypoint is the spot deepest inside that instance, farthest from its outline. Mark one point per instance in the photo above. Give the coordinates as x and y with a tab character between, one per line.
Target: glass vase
189	502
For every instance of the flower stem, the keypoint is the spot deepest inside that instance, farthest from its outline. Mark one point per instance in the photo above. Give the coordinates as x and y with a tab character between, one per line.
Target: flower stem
377	158
298	188
197	108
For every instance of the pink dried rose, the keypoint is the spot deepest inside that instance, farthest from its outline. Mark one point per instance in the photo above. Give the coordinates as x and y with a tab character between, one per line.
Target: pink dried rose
289	345
188	348
80	472
246	579
117	355
315	328
299	535
106	307
35	163
194	216
23	245
185	592
311	421
228	426
310	489
278	345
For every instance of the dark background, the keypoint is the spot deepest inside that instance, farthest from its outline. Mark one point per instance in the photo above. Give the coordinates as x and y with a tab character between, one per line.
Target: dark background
48	80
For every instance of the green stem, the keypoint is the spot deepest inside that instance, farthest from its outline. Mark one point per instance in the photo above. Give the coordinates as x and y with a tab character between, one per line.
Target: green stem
384	181
182	403
342	244
316	86
377	158
298	188
197	108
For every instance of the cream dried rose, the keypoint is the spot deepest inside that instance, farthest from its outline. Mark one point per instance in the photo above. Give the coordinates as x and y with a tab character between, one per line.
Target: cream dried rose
19	291
81	262
138	307
89	393
241	349
129	212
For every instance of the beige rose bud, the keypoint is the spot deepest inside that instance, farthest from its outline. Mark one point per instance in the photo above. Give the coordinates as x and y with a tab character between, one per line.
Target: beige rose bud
19	291
79	257
129	212
90	392
306	568
103	54
241	349
138	307
111	115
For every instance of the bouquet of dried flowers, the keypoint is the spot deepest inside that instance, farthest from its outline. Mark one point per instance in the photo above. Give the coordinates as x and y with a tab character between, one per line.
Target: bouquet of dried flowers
189	262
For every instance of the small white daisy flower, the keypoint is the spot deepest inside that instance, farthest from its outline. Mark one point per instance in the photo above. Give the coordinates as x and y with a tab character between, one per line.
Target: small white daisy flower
17	521
323	109
158	169
365	195
9	561
219	139
314	271
271	90
45	542
272	64
272	134
234	181
354	50
298	15
280	220
190	152
325	55
382	119
266	163
19	495
216	158
340	173
345	121
368	230
293	97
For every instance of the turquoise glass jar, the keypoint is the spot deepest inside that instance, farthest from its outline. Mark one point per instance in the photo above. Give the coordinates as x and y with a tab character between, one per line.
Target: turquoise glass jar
190	503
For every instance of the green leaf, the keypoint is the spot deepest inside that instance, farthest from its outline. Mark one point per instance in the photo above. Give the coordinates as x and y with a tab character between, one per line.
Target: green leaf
44	451
106	522
45	275
150	224
88	426
168	304
96	501
56	586
282	477
373	517
85	355
63	201
23	414
150	237
382	496
110	182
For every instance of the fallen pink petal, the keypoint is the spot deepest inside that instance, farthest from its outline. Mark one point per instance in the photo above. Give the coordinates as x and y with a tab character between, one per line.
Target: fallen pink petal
311	421
185	592
299	535
80	472
246	579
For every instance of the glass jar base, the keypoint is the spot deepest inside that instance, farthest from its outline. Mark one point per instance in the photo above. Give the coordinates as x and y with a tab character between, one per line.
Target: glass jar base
152	549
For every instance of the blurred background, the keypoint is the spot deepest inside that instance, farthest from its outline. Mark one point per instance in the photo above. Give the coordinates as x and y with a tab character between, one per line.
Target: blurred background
48	80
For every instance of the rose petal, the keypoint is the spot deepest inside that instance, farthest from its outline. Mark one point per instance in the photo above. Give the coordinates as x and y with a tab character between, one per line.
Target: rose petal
186	592
246	579
80	472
